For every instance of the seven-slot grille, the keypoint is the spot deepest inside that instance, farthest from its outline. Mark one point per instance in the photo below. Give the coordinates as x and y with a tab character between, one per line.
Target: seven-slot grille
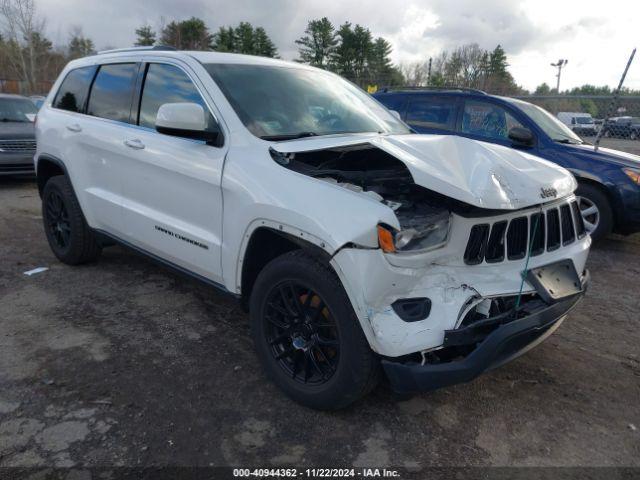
539	231
18	146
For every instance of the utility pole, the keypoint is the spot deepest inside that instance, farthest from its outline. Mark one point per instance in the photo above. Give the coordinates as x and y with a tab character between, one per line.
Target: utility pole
561	63
429	73
614	100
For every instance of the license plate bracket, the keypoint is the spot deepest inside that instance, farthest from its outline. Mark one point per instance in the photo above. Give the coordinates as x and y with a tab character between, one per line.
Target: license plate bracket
555	281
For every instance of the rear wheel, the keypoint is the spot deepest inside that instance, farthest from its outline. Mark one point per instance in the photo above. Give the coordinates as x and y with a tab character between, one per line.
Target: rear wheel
69	236
307	335
596	210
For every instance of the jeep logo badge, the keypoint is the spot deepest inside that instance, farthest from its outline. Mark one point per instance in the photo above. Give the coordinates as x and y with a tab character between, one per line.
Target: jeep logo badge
548	192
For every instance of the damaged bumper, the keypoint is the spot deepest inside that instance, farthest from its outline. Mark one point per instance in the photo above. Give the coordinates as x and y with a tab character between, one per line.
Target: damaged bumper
473	351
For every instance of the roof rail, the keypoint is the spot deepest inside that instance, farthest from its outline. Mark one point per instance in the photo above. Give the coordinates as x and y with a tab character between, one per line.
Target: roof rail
443	89
139	49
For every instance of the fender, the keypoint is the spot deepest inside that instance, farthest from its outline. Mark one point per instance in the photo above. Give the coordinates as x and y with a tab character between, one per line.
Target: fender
581	174
276	226
39	174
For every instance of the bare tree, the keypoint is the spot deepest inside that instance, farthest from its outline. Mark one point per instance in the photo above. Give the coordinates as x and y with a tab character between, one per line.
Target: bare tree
24	33
415	74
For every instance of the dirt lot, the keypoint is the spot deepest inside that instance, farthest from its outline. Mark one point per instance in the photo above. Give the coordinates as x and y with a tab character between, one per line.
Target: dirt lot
124	363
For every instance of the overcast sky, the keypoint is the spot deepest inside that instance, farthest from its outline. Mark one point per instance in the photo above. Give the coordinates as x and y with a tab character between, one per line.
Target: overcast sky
595	36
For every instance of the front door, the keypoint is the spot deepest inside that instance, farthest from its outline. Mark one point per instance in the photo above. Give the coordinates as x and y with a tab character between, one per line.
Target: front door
172	199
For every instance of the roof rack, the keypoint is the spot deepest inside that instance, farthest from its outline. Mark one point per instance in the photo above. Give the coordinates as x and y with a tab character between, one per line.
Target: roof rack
442	89
139	49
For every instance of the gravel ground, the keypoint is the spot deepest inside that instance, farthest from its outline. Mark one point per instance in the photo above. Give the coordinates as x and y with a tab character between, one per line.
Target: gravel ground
123	363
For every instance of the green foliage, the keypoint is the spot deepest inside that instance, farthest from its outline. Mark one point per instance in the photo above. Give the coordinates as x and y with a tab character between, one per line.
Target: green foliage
224	40
318	45
542	89
191	34
146	36
80	46
350	51
244	39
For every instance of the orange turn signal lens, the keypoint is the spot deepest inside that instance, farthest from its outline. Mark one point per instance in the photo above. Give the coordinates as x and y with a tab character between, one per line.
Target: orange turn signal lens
385	239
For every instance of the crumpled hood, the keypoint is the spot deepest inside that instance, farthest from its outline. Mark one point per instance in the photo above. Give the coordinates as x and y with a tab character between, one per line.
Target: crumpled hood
478	173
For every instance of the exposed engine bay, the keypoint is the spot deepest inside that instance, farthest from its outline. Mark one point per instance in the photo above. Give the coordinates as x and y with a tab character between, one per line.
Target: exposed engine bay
368	170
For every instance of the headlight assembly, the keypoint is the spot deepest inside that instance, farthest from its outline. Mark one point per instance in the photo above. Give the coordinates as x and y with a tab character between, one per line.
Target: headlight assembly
433	234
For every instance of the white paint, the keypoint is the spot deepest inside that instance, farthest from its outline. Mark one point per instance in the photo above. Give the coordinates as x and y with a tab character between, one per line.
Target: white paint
36	270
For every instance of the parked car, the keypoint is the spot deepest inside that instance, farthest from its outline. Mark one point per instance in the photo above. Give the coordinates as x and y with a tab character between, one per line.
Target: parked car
353	242
622	127
608	180
580	123
38	100
17	135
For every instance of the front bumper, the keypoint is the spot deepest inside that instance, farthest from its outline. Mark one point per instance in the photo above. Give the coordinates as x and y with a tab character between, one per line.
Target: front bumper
16	163
508	341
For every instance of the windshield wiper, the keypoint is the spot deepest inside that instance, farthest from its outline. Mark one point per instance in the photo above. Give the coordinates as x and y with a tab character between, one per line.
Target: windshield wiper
288	136
570	141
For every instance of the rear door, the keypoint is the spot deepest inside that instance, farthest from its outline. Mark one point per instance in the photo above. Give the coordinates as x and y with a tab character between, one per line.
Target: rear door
172	199
106	122
432	113
87	144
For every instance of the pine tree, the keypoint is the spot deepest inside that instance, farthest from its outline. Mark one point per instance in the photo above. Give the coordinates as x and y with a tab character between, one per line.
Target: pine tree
244	38
146	36
191	34
318	45
263	45
224	40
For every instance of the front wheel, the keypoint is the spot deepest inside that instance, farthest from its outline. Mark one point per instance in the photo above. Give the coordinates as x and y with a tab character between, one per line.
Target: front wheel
596	210
307	334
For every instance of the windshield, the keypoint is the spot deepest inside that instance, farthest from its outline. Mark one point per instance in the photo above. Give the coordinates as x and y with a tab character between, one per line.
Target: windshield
584	120
279	103
549	124
17	110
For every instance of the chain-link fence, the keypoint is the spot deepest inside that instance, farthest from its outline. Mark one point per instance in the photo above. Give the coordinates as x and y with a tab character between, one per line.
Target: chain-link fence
586	114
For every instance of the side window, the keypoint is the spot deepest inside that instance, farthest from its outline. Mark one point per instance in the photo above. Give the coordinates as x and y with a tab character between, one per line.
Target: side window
110	95
166	84
73	90
434	112
393	102
487	120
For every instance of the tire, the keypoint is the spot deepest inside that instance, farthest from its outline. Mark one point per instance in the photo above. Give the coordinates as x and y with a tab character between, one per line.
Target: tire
70	238
633	135
594	196
346	369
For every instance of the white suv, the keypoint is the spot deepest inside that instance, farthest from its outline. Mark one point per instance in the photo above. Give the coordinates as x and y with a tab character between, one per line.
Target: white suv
358	246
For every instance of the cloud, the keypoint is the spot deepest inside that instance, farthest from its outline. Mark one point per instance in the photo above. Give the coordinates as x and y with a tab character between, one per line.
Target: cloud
532	32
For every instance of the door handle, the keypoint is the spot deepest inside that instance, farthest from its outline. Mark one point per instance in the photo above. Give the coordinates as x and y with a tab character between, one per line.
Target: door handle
74	127
134	143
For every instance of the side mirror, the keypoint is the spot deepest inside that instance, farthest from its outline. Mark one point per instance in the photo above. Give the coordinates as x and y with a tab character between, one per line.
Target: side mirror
186	120
521	136
396	114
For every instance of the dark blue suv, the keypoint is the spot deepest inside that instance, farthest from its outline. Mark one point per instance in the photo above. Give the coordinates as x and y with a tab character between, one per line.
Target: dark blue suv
609	180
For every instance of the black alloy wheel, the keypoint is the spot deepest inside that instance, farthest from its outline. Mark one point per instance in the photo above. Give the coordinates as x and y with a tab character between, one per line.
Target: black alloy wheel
57	219
302	333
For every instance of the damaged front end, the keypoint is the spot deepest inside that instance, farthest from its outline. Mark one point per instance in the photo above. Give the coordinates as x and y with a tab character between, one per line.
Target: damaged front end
445	289
424	216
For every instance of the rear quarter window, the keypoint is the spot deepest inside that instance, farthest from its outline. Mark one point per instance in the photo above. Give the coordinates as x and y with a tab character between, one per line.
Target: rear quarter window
73	90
